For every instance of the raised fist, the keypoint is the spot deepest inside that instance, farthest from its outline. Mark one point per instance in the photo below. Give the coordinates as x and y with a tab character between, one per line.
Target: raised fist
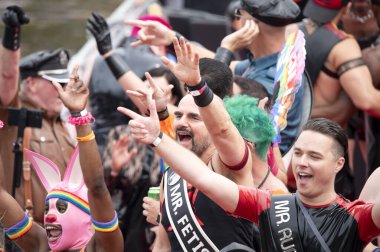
13	18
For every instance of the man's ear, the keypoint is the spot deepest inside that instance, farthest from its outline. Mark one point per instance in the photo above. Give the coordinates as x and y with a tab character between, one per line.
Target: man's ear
31	84
262	103
339	164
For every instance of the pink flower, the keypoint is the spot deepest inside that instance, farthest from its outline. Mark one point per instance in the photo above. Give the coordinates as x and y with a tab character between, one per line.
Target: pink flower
1	124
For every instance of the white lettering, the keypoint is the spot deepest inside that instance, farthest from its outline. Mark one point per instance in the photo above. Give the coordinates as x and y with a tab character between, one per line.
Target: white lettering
183	220
186	229
282	211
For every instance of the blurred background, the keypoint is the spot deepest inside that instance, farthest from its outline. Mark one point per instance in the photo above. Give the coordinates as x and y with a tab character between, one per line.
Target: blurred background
57	23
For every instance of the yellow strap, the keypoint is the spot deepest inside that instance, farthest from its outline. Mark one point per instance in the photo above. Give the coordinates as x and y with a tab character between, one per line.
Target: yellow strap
87	138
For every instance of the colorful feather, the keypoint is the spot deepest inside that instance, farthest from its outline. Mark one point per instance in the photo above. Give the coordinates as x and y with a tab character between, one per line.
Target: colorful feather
288	79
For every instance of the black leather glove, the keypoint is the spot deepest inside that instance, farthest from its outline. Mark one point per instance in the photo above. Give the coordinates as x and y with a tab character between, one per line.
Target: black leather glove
98	26
13	18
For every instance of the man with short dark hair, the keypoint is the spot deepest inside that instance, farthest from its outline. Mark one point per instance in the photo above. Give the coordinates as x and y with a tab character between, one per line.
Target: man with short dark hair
263	34
313	219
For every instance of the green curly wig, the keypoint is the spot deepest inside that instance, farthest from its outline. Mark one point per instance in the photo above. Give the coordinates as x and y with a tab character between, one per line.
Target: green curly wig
252	122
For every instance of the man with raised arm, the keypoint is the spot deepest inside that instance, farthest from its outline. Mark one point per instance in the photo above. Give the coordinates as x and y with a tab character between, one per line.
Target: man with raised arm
263	34
35	93
73	203
244	161
313	219
237	158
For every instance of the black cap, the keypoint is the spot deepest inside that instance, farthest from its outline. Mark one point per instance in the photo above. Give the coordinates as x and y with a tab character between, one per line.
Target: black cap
50	65
272	12
323	11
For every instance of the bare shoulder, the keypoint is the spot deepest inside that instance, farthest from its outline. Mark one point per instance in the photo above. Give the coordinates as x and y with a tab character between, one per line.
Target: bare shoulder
344	51
371	57
370	192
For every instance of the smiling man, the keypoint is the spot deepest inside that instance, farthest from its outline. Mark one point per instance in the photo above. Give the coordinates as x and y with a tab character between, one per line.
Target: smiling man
314	219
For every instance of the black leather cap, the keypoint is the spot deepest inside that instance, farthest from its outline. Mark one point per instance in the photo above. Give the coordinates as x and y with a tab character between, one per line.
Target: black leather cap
272	12
50	65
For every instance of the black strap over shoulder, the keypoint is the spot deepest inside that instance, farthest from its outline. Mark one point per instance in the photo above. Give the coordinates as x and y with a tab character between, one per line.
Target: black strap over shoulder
323	39
284	223
329	72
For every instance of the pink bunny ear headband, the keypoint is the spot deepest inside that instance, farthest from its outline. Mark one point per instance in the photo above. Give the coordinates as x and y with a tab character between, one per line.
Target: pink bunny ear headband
72	228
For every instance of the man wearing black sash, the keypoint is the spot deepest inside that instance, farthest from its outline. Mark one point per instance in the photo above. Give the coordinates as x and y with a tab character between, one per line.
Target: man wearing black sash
314	219
190	220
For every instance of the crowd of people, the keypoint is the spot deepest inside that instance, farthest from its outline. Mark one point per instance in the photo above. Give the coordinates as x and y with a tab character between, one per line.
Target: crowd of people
79	151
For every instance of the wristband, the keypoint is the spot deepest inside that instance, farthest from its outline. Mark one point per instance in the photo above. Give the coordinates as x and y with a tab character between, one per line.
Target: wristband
20	228
79	114
11	39
117	65
158	140
87	138
81	120
106	227
163	115
201	93
223	55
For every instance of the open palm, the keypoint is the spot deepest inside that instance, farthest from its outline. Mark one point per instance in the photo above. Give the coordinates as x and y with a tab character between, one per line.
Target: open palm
187	67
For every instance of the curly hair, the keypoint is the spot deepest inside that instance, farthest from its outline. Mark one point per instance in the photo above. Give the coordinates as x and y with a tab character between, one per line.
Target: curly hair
252	122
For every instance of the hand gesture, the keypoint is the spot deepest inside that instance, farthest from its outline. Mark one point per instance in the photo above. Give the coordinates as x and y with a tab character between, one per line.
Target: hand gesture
120	153
152	33
160	96
98	27
144	129
187	67
241	38
74	94
151	210
15	16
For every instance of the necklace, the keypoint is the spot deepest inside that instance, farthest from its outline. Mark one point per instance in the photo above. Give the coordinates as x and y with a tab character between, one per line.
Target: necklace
265	179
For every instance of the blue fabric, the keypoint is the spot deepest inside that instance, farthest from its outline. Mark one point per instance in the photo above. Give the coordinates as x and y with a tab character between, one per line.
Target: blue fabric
263	70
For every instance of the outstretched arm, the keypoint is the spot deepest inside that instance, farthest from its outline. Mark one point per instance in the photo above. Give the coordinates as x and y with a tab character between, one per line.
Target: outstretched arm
74	96
218	188
155	33
128	80
13	18
225	136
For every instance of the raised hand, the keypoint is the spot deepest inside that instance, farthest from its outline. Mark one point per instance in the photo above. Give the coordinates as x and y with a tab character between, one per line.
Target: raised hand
98	27
187	67
241	38
120	153
74	94
152	33
144	129
13	18
160	96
